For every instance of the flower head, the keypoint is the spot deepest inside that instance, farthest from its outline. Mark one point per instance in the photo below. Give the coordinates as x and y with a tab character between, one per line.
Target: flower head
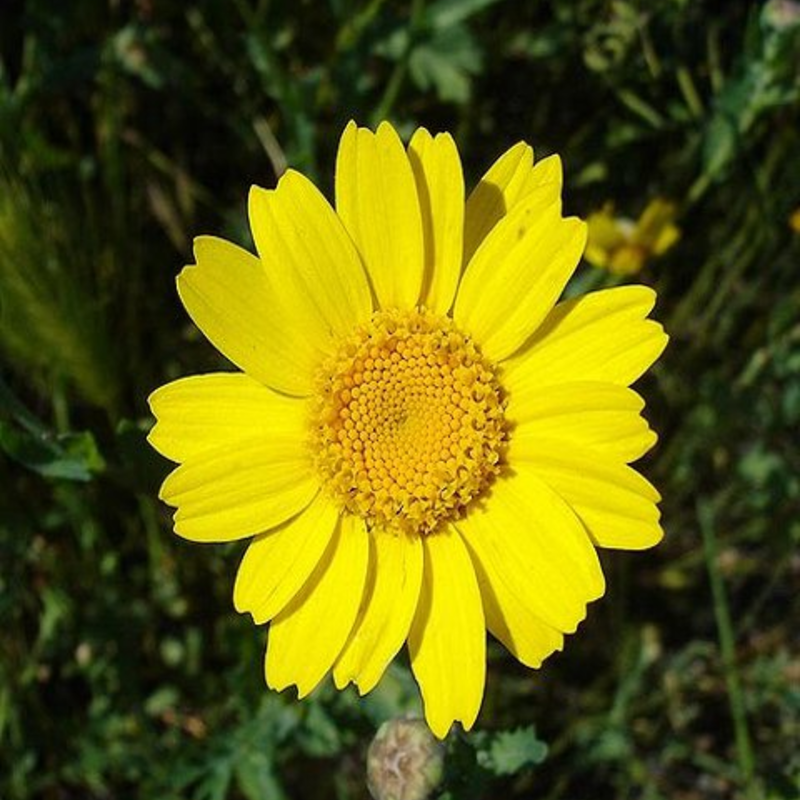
623	246
422	442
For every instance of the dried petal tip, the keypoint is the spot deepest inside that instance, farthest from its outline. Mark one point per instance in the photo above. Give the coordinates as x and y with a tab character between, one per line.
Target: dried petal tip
404	762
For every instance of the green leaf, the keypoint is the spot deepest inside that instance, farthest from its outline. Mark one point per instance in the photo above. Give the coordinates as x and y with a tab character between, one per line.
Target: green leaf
255	776
26	440
71	456
766	79
508	752
446	63
319	736
446	13
216	782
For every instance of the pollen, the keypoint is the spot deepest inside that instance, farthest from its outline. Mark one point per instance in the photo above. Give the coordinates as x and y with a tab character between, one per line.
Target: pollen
408	427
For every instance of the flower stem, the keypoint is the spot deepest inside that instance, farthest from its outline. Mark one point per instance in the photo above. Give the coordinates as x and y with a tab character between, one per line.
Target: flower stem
744	748
387	102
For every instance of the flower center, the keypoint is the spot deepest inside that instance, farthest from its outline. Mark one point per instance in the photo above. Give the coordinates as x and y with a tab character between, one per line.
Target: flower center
409	426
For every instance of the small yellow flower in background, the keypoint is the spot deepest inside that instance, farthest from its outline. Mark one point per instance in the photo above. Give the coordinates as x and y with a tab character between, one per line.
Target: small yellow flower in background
623	246
422	442
794	220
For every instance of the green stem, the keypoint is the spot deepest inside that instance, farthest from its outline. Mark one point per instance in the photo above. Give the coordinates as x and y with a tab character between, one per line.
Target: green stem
356	24
400	68
648	51
641	108
704	285
715	72
744	749
689	92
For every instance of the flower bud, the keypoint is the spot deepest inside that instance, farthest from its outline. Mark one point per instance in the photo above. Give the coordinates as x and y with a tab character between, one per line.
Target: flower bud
404	762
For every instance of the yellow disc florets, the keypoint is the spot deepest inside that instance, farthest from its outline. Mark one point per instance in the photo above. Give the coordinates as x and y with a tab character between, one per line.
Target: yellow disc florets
409	425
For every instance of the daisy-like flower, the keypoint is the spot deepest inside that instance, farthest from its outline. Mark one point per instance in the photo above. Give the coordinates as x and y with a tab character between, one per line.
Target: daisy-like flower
422	443
623	246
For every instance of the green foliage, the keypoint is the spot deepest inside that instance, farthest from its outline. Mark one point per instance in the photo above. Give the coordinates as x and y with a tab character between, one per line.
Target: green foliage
767	79
126	129
509	752
51	309
441	52
70	456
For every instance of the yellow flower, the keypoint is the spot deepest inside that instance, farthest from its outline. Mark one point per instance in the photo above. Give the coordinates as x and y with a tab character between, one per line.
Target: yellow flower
623	246
421	442
794	220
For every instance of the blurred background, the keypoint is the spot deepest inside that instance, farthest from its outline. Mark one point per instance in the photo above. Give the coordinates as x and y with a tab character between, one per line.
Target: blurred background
126	128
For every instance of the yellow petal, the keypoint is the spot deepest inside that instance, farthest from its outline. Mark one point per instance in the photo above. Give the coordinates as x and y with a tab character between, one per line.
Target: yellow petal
277	564
601	336
231	298
376	198
528	638
440	185
517	274
605	416
447	641
509	180
233	492
496	192
529	537
203	412
548	171
313	263
388	606
308	635
615	503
